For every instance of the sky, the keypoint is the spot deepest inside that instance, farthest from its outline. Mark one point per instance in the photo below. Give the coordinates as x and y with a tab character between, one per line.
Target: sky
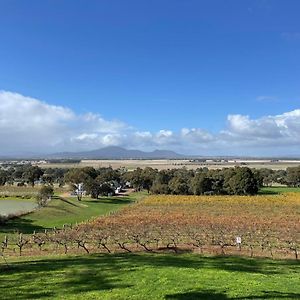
206	77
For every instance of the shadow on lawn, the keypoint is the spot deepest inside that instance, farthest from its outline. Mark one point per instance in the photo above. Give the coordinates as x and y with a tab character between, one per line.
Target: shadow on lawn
226	263
66	201
92	273
20	225
268	192
272	295
214	295
71	275
198	295
25	225
112	200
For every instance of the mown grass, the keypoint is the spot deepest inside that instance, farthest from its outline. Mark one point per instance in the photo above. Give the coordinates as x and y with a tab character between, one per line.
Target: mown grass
279	190
149	276
67	211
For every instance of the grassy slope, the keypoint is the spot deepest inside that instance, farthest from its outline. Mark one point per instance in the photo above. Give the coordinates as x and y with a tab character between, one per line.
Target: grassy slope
279	190
62	211
149	276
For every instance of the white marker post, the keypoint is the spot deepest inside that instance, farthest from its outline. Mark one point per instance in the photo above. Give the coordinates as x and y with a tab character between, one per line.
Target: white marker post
239	242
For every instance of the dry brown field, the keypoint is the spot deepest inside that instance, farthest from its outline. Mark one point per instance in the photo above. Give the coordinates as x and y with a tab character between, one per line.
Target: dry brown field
161	164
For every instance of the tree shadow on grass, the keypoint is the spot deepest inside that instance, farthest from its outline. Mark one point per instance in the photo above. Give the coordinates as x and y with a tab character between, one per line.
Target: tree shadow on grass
226	263
66	201
268	192
216	295
25	225
272	295
198	295
20	225
98	272
34	279
191	261
111	200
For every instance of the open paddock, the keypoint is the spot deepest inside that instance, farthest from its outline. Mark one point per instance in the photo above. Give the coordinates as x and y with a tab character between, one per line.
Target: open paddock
161	164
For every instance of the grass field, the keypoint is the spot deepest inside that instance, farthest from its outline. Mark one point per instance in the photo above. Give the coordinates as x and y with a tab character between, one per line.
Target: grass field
279	190
62	211
149	276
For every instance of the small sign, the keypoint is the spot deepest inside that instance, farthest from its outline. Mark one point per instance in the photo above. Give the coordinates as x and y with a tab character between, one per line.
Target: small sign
238	240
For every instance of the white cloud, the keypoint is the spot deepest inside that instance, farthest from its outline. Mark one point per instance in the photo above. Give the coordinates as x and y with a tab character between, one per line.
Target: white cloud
270	135
28	124
196	135
86	136
282	126
112	139
243	126
31	125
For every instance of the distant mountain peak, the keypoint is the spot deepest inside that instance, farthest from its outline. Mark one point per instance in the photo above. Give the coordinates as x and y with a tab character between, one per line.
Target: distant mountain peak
117	152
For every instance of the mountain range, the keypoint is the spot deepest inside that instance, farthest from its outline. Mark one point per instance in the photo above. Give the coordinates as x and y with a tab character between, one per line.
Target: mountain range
114	152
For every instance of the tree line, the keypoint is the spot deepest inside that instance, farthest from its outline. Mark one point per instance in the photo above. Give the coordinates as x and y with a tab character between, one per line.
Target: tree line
30	175
103	181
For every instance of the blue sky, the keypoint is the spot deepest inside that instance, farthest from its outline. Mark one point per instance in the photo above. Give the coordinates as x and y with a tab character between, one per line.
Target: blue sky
156	66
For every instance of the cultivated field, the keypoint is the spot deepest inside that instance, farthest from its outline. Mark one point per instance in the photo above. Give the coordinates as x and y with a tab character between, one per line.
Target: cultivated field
161	164
267	225
175	239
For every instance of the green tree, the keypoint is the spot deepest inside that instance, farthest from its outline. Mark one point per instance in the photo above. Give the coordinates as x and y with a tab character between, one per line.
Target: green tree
178	186
264	176
97	187
159	188
293	176
45	194
148	176
32	174
135	178
3	177
76	178
243	182
201	184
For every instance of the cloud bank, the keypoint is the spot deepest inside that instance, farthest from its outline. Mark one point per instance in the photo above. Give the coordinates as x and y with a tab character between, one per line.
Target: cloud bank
29	125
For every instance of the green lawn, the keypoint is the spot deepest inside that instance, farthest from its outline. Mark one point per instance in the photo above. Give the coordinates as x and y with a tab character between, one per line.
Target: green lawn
149	276
62	211
279	190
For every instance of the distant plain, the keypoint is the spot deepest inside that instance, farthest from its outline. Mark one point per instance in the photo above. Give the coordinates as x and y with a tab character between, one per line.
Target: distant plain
161	164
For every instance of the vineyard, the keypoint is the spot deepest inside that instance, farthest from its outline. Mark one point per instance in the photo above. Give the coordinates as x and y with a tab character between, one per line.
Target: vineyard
266	226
